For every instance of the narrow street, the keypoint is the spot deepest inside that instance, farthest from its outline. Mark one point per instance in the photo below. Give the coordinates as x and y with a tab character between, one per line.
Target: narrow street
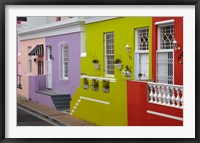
27	118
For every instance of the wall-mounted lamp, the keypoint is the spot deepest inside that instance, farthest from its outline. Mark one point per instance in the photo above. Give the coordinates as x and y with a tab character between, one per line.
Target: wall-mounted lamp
51	56
35	60
128	48
175	45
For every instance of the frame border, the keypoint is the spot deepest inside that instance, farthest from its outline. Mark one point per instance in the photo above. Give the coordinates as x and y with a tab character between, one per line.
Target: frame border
98	2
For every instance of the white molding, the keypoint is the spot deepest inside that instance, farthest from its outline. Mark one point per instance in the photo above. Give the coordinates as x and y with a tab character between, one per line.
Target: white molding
99	18
142	52
165	115
164	22
98	78
164	50
95	100
83	44
57	28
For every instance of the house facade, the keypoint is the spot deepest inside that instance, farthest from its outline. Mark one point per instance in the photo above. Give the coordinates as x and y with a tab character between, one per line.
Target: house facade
51	62
159	102
102	95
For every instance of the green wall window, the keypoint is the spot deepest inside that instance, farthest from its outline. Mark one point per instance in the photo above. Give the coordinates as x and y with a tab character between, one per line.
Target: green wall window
109	53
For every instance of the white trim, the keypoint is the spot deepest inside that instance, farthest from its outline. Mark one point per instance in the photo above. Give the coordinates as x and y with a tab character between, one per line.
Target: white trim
165	50
95	100
67	26
83	44
165	115
99	18
164	22
98	78
142	52
110	75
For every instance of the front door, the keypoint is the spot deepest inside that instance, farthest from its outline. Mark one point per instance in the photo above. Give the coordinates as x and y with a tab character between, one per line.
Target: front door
49	67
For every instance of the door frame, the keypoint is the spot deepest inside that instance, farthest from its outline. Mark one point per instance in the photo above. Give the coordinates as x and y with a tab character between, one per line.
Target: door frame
49	86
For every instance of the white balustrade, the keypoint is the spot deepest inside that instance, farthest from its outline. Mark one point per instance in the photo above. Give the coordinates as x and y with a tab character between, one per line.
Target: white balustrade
166	94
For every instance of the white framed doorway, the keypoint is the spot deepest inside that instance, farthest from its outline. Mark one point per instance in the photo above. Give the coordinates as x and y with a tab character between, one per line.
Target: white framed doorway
49	68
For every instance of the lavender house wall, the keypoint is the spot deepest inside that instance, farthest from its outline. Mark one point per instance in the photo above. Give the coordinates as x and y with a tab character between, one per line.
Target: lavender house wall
73	41
37	83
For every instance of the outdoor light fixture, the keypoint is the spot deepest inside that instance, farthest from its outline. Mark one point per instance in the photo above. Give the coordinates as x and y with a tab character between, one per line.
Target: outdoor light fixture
175	45
51	56
128	48
35	59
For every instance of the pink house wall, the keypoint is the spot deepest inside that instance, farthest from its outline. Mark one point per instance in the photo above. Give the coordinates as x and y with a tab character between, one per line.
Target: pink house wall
23	63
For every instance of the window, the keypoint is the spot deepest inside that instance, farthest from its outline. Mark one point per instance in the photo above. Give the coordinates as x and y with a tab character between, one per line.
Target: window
40	68
109	53
21	18
165	54
30	59
166	37
30	65
64	61
58	18
141	57
142	39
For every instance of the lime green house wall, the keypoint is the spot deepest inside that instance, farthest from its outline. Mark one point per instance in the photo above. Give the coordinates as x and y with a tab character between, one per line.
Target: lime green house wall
108	108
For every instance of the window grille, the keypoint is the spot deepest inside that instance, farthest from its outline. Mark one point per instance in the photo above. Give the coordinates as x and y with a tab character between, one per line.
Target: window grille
64	58
165	67
143	39
166	37
40	68
109	53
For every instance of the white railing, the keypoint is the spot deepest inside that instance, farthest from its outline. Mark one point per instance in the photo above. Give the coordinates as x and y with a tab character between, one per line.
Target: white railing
166	94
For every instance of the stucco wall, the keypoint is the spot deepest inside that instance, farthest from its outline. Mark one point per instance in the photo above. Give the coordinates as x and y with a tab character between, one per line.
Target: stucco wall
178	35
124	33
23	59
73	41
36	83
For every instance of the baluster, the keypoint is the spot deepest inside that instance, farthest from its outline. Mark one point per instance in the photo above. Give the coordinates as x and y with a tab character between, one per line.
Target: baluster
168	96
155	94
159	95
163	95
181	97
151	93
173	97
177	97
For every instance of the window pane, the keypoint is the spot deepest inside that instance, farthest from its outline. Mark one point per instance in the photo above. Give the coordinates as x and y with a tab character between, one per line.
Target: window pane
143	39
166	37
109	52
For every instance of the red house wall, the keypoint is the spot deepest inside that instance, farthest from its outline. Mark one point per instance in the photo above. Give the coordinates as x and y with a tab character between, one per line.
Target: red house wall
138	105
178	30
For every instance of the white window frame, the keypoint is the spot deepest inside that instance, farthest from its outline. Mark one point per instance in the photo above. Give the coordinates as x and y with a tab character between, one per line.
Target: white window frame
105	55
159	50
30	63
63	76
138	51
83	44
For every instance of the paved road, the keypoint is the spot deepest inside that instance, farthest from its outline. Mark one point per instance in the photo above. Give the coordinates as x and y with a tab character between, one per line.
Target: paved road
26	119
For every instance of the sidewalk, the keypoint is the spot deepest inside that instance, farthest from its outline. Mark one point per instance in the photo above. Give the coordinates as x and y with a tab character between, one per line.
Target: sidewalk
61	117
